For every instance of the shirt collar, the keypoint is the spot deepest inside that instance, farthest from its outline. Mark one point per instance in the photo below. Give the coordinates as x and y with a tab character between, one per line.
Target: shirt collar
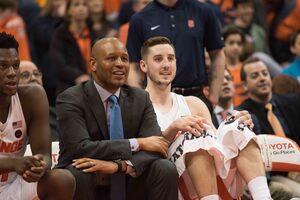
219	109
104	94
177	4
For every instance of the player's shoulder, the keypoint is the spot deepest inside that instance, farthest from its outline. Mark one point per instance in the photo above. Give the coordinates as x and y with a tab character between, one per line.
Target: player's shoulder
193	100
30	90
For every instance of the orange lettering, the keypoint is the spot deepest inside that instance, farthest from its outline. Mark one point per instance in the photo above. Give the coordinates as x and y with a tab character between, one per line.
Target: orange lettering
5	147
4	177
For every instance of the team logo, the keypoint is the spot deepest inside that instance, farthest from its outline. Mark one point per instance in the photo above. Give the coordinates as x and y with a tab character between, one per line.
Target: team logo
18	133
17	124
191	23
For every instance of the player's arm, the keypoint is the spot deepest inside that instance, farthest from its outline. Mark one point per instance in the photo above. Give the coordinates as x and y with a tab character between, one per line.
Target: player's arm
38	128
194	123
216	74
199	108
17	164
36	110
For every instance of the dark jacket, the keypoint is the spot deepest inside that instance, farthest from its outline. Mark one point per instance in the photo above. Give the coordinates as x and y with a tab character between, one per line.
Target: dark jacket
83	126
66	57
289	107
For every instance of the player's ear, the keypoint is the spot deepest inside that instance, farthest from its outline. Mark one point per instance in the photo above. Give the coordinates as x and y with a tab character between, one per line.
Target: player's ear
143	66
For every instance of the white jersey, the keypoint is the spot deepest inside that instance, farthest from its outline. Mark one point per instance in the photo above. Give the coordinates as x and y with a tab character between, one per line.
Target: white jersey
223	145
179	109
13	138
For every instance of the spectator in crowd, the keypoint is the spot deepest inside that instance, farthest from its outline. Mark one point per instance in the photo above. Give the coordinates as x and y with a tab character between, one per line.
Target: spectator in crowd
283	20
23	177
88	118
256	39
98	23
276	114
234	40
125	13
191	26
112	8
284	84
30	74
43	29
179	115
137	5
70	46
225	107
11	22
293	69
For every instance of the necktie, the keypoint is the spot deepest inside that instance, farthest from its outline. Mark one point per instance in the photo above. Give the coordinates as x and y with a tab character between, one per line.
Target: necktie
118	185
223	114
115	119
274	122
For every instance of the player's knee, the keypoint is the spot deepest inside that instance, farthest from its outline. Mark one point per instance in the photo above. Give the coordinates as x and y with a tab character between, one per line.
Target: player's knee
57	184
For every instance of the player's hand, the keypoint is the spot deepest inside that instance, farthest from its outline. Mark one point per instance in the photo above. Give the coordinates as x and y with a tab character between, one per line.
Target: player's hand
35	172
192	124
94	165
154	144
21	164
244	117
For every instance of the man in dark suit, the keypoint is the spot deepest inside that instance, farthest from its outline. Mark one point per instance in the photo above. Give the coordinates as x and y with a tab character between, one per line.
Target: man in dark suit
83	117
257	80
225	107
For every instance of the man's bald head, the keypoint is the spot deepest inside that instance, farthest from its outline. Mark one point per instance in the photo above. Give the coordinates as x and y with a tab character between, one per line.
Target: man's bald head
98	46
109	63
29	73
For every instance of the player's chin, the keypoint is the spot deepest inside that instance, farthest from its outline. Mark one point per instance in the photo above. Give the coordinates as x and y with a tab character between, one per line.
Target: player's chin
10	92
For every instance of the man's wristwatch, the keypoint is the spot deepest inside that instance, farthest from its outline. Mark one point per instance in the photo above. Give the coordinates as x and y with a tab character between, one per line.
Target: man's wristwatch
119	163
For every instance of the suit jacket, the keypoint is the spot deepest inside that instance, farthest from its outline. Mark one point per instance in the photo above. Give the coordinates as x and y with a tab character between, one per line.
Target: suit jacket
256	128
83	125
288	105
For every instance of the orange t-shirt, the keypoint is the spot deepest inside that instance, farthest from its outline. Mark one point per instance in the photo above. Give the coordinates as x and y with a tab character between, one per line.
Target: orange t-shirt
15	25
123	33
84	42
240	92
111	6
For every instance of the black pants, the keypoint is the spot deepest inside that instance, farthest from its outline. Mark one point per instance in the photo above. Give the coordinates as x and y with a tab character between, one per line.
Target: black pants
158	182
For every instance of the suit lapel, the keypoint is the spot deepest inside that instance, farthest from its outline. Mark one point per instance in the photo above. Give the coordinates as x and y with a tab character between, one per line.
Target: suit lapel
97	108
125	103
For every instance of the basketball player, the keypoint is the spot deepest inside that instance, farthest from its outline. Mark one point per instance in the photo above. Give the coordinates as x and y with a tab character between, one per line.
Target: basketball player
24	119
185	119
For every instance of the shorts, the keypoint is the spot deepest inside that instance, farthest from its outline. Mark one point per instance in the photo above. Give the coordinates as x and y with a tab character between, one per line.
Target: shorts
224	146
19	189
